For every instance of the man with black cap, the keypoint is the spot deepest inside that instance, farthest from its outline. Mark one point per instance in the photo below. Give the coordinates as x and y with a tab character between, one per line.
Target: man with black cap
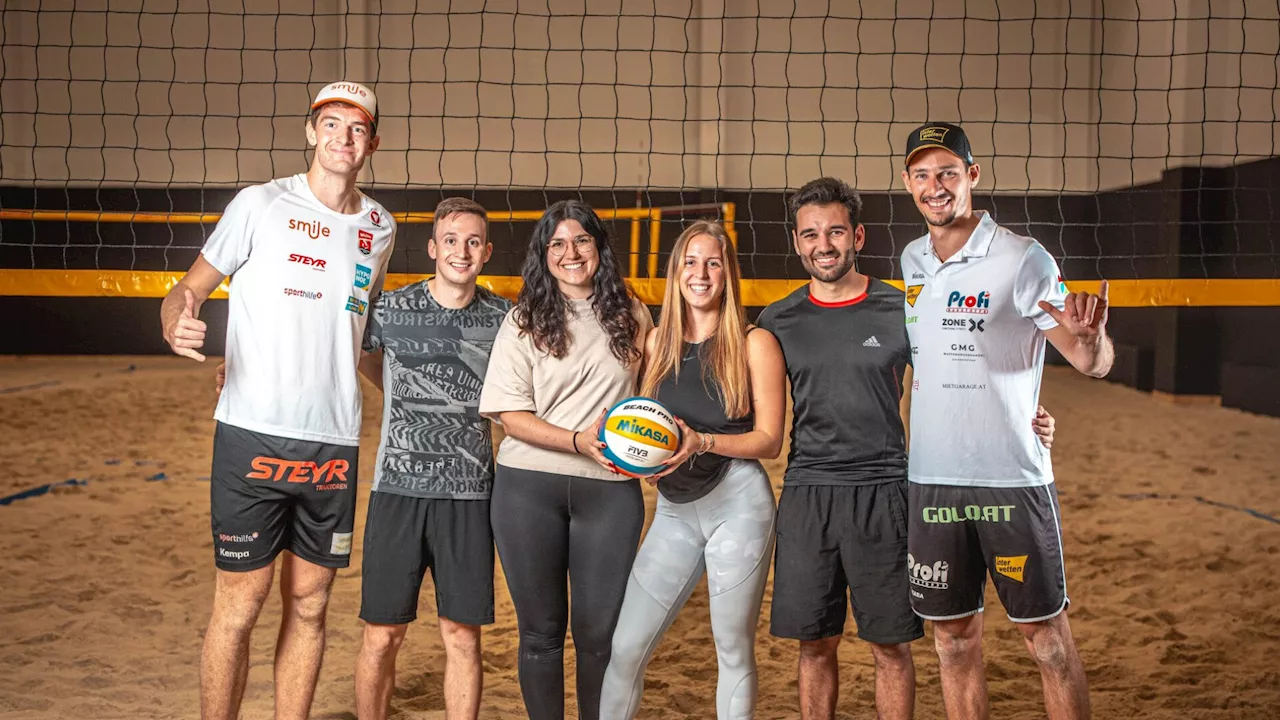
980	303
842	516
308	253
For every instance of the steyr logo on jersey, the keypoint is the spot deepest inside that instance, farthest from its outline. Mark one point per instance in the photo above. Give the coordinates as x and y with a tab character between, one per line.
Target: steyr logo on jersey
308	294
913	292
980	303
312	228
356	305
365	240
313	263
298	471
364	276
375	218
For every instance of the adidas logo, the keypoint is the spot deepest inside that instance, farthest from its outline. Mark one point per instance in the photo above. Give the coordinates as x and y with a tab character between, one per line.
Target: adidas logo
871	342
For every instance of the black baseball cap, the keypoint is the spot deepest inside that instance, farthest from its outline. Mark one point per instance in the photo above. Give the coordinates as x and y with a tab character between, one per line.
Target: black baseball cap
943	135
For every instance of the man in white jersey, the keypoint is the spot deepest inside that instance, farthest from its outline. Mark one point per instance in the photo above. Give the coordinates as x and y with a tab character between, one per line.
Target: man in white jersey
980	303
307	253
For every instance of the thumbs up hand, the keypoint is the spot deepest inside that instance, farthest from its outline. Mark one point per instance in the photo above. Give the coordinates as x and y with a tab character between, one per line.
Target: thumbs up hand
186	332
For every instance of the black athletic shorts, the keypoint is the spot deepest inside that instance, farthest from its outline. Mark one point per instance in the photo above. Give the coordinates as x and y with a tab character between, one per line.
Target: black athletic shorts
270	493
959	535
834	539
403	536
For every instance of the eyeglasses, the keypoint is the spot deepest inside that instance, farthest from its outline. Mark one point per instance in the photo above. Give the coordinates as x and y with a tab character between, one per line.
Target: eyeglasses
585	245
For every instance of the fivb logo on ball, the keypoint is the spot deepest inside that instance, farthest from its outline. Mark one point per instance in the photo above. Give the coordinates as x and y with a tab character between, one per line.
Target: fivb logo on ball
640	435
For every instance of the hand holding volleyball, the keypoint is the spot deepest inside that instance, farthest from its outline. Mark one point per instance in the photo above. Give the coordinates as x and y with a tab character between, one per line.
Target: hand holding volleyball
639	436
589	443
691	440
1084	314
187	334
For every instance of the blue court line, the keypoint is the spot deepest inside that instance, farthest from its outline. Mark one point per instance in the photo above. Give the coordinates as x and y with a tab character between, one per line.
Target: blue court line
40	490
1206	501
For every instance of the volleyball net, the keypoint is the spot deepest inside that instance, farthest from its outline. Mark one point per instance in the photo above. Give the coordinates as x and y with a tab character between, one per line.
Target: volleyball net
1135	140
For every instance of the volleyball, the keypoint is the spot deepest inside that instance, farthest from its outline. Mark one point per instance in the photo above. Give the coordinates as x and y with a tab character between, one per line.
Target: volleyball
640	435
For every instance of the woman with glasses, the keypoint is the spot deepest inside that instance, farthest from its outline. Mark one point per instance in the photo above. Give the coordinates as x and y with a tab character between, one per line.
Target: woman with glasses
569	350
725	382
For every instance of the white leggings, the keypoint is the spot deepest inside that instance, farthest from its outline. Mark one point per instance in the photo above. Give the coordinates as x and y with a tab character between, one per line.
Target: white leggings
729	534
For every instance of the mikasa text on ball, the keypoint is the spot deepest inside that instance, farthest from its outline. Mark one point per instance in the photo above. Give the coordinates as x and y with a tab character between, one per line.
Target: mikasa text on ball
639	435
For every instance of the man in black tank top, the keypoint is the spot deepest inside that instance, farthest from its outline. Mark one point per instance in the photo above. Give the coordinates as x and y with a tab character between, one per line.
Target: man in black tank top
842	517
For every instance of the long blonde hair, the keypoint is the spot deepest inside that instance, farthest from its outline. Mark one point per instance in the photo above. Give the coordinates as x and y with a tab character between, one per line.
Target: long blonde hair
727	346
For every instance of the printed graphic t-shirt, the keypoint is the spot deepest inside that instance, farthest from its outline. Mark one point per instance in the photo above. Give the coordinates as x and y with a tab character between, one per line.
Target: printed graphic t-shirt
434	442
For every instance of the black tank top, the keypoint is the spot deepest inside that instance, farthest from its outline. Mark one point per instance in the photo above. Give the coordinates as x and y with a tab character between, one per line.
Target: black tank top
696	400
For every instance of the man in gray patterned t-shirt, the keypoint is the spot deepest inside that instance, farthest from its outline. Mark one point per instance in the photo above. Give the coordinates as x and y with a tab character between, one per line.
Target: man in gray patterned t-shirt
429	508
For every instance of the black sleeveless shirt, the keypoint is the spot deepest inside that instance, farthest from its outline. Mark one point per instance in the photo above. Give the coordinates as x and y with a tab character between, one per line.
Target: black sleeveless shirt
696	399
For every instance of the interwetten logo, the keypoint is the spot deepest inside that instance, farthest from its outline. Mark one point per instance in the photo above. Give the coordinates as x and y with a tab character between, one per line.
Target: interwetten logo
312	228
1011	566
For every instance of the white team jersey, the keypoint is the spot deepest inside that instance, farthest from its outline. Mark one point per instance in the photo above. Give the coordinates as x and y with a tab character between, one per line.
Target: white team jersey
978	351
302	278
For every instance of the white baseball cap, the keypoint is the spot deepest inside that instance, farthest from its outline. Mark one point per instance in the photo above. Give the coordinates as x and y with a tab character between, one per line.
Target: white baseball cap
352	93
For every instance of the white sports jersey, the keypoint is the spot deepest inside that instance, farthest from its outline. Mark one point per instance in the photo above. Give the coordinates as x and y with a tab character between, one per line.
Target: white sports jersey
978	349
302	277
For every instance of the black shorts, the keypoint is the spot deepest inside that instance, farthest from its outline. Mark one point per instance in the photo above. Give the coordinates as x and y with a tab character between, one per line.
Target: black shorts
959	535
834	539
403	536
270	493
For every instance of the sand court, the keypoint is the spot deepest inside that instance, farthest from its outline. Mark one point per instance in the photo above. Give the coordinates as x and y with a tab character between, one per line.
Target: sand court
108	585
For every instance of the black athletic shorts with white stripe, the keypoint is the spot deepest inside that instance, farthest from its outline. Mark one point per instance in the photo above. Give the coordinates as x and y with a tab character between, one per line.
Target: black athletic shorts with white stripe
958	535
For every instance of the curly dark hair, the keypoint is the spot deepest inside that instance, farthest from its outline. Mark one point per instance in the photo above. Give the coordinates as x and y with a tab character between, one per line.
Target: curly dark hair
542	310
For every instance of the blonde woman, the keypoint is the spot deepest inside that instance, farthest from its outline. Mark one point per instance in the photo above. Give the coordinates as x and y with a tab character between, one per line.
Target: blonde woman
724	380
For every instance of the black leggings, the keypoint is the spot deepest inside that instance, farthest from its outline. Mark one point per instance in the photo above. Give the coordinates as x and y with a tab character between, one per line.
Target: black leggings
551	528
